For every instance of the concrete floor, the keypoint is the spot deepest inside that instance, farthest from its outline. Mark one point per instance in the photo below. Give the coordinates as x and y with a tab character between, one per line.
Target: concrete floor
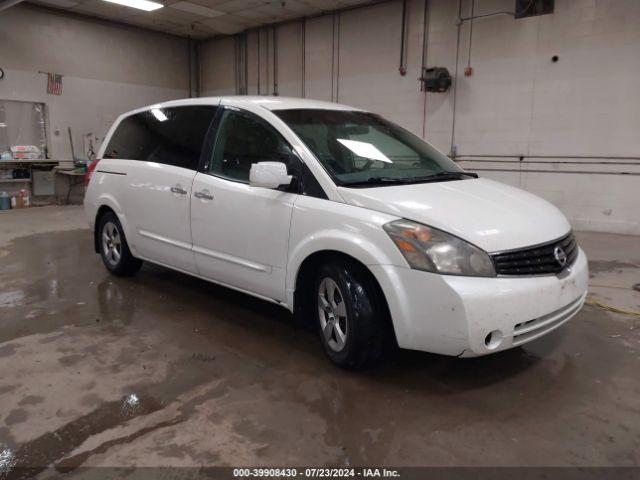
164	369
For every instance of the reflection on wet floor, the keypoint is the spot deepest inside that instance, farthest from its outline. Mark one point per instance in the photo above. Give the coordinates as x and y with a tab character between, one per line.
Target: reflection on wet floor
165	369
34	456
7	461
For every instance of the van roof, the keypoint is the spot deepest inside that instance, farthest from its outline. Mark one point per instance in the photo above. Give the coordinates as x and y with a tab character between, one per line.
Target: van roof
268	102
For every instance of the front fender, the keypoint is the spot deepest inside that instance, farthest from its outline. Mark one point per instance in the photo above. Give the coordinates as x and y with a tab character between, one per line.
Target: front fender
321	225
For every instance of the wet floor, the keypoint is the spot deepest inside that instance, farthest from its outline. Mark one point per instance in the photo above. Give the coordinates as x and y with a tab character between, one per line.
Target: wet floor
165	369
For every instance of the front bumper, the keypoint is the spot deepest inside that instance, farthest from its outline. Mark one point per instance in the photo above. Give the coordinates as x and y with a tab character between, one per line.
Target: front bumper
453	315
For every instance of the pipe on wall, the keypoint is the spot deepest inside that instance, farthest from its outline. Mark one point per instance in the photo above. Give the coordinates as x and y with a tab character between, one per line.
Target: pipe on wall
403	40
190	67
245	41
338	20
335	57
258	57
473	7
513	163
452	149
333	54
425	45
266	57
241	70
575	172
275	59
303	52
194	68
619	160
236	74
472	17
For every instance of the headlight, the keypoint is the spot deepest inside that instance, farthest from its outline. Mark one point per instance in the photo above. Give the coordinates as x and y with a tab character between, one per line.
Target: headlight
432	250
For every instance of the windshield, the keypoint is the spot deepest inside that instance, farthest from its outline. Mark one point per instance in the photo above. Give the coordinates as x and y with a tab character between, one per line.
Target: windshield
363	149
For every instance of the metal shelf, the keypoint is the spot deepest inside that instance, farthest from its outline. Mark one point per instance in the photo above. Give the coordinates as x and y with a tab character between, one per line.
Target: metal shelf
24	160
15	180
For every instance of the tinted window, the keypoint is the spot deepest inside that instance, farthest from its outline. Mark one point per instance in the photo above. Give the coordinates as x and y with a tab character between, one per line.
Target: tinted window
245	139
173	136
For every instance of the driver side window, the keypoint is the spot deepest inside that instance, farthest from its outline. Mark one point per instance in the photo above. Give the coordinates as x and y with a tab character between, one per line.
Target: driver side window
245	139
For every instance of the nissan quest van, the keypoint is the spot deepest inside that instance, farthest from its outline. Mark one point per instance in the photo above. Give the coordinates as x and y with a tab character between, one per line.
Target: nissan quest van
349	221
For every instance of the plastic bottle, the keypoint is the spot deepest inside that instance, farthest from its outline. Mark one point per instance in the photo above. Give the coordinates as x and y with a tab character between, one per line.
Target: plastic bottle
22	199
5	201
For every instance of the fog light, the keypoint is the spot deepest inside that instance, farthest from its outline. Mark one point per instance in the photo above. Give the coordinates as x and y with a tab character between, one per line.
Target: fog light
493	340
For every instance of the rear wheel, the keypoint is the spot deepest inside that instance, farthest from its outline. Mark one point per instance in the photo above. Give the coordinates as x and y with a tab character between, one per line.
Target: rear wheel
352	318
114	249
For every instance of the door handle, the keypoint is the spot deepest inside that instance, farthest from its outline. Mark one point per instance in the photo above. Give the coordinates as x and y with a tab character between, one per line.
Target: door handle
178	189
204	195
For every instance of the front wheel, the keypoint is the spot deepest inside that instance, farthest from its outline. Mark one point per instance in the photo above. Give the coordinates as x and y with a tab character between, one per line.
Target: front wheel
114	249
352	317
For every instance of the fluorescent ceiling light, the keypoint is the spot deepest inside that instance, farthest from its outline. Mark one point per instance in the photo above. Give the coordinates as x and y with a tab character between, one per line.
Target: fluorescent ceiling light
196	9
159	114
145	5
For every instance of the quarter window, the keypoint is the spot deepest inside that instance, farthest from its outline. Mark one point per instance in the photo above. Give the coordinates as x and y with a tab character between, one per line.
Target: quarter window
171	136
245	139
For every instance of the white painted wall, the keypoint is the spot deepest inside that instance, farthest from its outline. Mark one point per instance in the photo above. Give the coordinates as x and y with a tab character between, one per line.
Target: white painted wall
108	69
516	103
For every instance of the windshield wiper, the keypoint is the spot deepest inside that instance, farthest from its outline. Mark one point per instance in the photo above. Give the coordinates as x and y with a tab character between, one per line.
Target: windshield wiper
379	180
442	177
437	177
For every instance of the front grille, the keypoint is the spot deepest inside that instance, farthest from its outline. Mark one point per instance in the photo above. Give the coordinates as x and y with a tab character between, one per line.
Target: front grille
538	260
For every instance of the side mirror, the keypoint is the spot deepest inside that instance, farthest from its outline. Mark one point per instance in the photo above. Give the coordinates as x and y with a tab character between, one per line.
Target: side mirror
269	175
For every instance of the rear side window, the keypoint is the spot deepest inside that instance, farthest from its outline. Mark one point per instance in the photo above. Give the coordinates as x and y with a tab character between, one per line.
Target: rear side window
171	136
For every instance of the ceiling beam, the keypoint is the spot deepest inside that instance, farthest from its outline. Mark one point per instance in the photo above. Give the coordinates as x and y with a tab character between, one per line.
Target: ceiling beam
4	4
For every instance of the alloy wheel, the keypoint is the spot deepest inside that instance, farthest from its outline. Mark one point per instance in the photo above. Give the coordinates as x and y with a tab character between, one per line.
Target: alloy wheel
111	243
332	313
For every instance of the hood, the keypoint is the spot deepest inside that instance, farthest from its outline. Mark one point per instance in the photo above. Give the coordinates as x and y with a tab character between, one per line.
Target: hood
491	215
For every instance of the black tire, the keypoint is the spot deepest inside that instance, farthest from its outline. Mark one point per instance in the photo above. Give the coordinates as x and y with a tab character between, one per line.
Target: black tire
367	325
114	249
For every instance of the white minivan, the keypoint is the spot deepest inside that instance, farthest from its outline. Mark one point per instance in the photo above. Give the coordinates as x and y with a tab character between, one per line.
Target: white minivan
344	218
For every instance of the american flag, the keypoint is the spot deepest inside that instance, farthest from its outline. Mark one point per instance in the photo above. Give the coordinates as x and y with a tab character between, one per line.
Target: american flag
54	84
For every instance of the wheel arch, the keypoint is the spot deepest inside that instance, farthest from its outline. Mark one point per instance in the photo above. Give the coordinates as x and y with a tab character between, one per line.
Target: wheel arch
309	246
304	295
96	225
